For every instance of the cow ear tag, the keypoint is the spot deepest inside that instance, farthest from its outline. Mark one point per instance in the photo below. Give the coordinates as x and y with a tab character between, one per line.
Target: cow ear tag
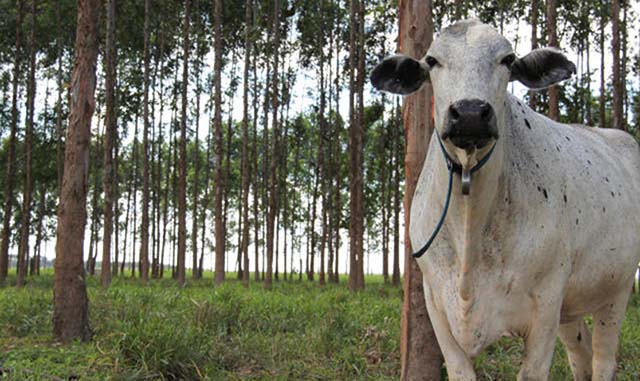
465	179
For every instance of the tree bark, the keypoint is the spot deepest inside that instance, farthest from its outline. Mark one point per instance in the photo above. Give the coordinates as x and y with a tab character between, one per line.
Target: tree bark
554	111
397	143
71	305
534	45
11	155
144	226
618	120
182	185
109	135
245	146
356	132
420	355
23	247
603	114
219	275
59	128
273	182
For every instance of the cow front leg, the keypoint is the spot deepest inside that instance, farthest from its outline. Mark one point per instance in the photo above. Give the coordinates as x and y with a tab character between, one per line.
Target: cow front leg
606	329
540	343
577	339
459	365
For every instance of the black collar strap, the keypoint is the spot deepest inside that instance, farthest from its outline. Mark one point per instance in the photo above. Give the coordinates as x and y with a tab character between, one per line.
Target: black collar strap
457	168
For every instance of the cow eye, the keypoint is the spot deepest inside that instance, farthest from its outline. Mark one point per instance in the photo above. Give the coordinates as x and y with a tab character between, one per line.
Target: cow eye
508	60
432	62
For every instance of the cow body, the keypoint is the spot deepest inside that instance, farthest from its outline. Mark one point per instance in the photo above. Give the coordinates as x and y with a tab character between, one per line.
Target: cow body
551	233
549	230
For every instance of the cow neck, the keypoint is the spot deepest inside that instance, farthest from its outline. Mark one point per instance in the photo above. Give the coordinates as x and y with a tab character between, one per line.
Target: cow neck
470	214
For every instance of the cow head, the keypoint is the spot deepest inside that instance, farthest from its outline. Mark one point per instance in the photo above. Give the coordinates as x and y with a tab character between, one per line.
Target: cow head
469	66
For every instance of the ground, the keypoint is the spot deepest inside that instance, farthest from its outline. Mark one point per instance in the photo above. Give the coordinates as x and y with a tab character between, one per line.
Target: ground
298	331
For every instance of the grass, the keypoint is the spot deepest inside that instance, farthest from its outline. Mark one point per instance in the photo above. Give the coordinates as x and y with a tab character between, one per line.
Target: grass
298	331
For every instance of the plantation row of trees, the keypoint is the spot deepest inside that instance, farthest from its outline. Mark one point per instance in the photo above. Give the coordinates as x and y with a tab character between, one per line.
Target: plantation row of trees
171	172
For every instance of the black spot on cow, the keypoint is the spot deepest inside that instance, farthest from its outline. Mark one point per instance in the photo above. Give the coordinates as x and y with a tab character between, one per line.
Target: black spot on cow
565	198
527	123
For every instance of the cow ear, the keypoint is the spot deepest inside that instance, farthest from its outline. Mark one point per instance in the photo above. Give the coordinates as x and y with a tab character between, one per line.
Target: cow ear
542	68
399	75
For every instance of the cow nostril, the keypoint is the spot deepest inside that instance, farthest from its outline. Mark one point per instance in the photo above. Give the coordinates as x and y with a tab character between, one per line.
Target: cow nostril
453	112
485	112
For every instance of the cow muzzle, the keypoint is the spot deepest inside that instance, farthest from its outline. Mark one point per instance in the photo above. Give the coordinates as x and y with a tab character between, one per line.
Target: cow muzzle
470	123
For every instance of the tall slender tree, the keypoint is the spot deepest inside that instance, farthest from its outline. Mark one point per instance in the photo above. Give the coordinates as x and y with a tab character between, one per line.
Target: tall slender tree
144	226
356	132
552	16
70	302
23	247
273	183
219	275
618	120
109	138
244	246
419	353
9	180
534	44
182	185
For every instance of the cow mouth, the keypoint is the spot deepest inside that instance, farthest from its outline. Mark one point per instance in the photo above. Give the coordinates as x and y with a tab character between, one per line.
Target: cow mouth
467	142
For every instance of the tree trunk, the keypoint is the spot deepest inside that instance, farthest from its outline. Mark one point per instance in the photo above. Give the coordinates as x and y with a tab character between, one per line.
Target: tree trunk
219	275
196	178
23	247
419	352
354	147
603	114
244	203
554	111
144	226
397	143
11	155
273	184
618	121
109	135
71	305
356	141
534	45
59	128
182	185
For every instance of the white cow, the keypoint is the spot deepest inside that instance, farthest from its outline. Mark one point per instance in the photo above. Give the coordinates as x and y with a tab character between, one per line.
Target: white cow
549	231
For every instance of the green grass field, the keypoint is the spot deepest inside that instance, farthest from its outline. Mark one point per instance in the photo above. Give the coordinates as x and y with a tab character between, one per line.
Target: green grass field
298	331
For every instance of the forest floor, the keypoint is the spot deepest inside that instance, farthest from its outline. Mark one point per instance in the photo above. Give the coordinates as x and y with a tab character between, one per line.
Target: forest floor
298	331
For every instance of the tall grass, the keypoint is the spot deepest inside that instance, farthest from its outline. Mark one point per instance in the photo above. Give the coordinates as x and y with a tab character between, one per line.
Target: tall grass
298	331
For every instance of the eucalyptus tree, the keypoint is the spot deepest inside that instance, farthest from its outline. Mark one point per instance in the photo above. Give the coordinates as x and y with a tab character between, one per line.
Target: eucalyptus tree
182	192
109	138
618	121
70	313
144	227
23	247
9	180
